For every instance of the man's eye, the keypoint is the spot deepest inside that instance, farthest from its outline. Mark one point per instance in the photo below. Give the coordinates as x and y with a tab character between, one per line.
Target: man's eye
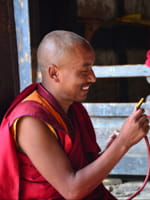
85	71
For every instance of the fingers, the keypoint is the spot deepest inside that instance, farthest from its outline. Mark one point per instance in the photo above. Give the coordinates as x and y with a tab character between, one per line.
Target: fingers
144	123
138	113
143	119
135	127
147	128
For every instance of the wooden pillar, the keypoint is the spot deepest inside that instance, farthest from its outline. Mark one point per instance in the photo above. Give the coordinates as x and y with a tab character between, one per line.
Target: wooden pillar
9	78
21	13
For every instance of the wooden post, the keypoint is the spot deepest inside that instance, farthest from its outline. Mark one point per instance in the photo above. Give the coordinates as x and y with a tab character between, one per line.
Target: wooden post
23	42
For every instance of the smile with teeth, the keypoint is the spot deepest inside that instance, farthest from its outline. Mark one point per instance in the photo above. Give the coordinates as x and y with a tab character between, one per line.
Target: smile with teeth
85	88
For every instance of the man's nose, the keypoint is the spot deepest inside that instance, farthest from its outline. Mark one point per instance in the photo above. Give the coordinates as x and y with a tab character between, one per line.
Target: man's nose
92	77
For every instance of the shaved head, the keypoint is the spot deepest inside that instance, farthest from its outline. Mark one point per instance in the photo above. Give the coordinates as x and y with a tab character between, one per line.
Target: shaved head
65	60
57	44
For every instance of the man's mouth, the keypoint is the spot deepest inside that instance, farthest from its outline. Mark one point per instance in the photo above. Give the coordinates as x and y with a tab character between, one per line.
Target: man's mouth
85	88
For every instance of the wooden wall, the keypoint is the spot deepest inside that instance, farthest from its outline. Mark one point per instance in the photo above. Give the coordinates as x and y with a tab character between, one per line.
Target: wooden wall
116	38
119	31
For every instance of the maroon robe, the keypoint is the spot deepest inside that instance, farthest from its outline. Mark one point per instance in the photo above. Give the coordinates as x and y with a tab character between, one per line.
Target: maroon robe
19	179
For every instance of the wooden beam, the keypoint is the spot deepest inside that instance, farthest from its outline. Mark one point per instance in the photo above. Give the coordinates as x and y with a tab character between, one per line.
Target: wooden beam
114	71
112	109
23	42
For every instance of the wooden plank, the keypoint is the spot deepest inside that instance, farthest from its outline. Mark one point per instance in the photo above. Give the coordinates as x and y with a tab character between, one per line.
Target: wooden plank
121	71
118	71
131	165
112	109
105	126
23	42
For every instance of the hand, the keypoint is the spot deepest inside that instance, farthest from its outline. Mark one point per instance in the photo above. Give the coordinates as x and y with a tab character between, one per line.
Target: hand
135	127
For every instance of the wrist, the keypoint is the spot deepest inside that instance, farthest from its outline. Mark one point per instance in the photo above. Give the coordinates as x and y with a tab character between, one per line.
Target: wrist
122	142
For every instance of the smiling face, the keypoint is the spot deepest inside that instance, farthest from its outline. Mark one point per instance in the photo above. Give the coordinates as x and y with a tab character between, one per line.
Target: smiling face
66	61
76	75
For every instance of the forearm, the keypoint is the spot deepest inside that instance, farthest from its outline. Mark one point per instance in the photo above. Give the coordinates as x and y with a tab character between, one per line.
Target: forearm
92	175
59	172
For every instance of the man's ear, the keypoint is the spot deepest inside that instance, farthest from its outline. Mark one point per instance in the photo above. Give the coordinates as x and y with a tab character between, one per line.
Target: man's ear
53	72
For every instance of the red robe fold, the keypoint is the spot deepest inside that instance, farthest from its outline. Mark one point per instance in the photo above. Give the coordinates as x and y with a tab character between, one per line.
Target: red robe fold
19	179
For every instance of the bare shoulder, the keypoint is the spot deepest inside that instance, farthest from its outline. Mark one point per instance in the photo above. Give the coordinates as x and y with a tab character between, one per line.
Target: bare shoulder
32	131
42	147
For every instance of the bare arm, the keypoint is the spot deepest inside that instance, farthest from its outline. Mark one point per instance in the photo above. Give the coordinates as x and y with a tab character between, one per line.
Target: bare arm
42	148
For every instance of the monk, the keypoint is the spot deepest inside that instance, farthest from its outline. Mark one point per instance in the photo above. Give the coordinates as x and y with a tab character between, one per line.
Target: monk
48	147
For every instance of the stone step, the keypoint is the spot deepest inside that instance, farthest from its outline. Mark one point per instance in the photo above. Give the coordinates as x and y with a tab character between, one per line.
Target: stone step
122	190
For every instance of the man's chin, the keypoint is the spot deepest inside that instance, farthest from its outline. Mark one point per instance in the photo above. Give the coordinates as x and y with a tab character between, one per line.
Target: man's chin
82	99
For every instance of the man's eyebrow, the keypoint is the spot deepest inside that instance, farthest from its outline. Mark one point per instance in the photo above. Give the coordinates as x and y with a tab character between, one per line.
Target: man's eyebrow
87	64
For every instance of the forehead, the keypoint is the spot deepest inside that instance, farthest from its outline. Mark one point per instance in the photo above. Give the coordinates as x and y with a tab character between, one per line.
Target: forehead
78	56
84	51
